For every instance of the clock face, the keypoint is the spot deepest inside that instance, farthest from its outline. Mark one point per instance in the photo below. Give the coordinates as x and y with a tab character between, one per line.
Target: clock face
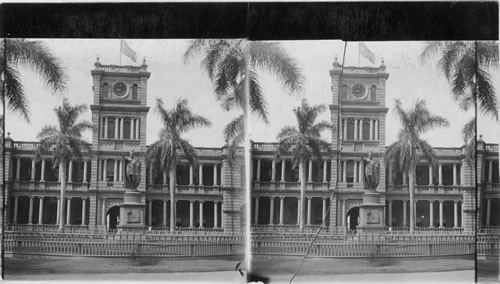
120	89
359	91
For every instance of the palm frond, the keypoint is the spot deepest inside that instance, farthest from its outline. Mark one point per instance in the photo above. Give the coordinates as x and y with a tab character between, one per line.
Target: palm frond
13	94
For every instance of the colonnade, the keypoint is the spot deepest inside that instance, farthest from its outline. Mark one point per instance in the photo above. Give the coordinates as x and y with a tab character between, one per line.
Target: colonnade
431	212
119	127
373	124
217	207
281	205
283	167
69	177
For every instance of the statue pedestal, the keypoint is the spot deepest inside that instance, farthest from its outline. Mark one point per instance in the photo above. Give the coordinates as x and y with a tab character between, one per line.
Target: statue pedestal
132	216
371	214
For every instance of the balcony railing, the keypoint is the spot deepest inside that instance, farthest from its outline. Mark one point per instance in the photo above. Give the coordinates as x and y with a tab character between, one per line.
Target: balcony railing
49	185
188	189
492	187
491	147
427	189
273	146
292	186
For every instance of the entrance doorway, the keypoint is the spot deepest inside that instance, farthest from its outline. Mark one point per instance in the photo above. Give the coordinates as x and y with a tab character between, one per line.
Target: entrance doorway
113	217
353	218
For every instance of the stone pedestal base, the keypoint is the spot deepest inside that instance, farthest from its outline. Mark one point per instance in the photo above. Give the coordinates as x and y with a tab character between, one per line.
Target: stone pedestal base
371	215
132	213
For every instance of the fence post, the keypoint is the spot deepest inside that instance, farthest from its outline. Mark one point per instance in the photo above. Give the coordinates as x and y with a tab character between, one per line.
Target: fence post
191	249
430	250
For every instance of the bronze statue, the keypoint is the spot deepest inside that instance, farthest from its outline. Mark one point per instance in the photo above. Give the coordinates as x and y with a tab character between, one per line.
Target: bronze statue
132	172
372	172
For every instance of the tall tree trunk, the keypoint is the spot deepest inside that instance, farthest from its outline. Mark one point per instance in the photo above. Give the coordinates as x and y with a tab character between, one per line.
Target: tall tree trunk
411	187
62	174
171	187
302	195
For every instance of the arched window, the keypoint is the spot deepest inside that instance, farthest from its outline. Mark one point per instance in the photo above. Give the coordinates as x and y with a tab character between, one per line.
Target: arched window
350	129
126	128
344	92
104	90
134	92
366	130
374	93
111	127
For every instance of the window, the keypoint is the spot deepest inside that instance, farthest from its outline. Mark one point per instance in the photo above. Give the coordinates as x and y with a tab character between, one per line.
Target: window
111	127
366	130
127	128
373	93
350	172
104	91
134	92
350	129
344	92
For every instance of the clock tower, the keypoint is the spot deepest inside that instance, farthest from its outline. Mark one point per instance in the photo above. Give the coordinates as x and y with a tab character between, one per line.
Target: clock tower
119	115
358	117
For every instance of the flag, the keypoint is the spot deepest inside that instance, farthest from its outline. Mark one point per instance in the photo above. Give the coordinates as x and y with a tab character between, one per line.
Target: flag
366	53
125	49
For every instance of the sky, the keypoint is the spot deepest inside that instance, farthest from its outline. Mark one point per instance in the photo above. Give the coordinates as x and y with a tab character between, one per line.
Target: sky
172	79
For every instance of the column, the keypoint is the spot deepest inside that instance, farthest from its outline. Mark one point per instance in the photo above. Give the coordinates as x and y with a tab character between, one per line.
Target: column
121	127
84	211
103	202
325	166
405	224
355	129
40	210
164	213
441	213
256	213
18	168
271	210
371	130
298	210
488	211
283	162
344	136
191	214
300	172
455	214
30	212
42	176
191	175
440	174
389	218
216	213
85	171
310	174
117	120
273	171
105	119
390	173
454	174
361	129
70	171
115	171
309	210
201	214
323	215
361	173
344	171
68	211
33	169
120	170
343	212
215	174
431	213
490	171
137	129
200	174
430	175
164	177
404	178
355	172
151	173
104	170
58	217
150	212
376	130
282	209
258	170
132	130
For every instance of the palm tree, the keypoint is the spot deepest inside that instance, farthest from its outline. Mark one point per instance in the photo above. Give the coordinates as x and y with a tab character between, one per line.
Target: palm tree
168	150
466	66
305	142
406	152
66	143
34	55
229	62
